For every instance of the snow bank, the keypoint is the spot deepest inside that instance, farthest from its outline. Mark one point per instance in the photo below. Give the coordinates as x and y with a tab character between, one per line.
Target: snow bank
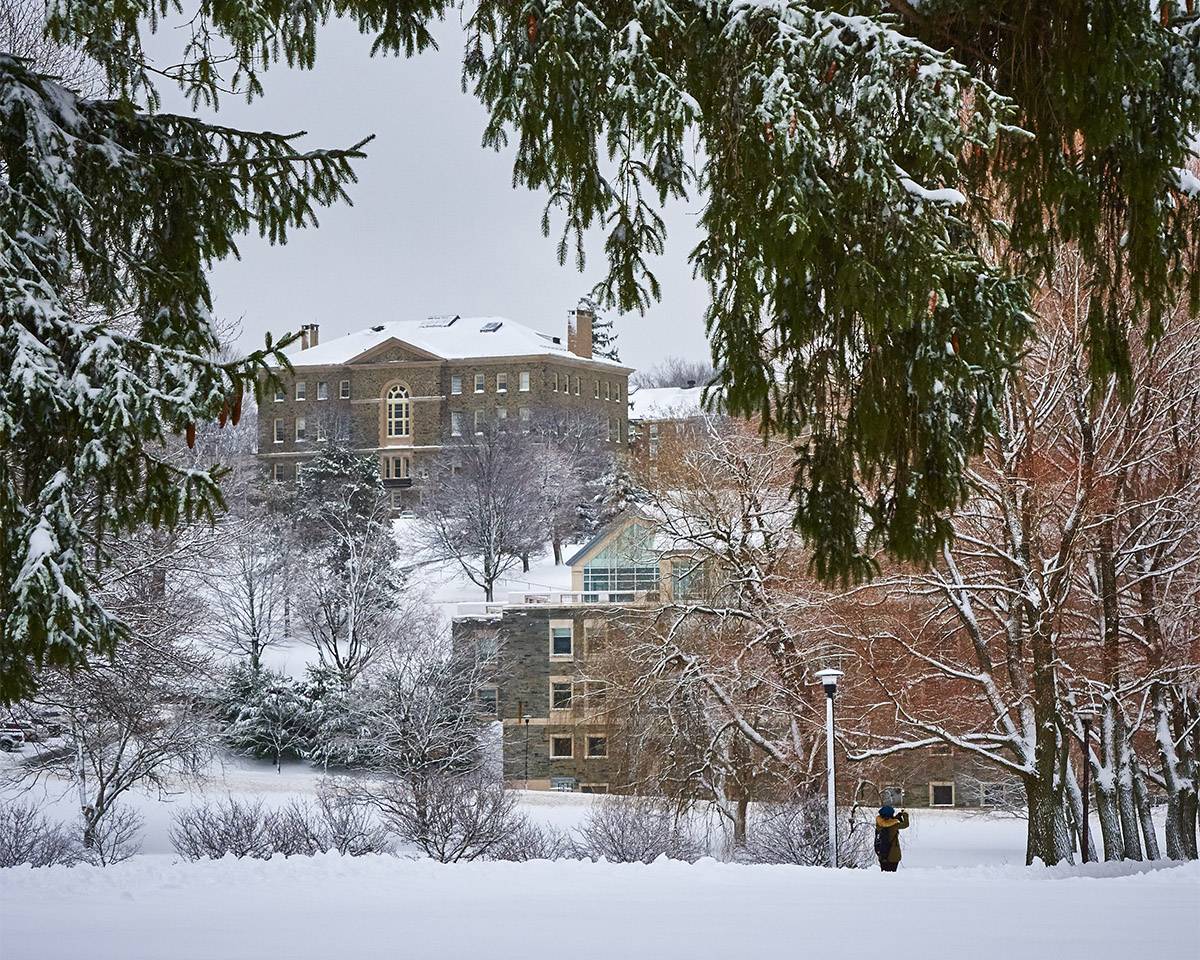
386	907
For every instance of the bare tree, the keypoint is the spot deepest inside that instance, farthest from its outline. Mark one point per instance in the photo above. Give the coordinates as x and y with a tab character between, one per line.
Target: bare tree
251	590
481	505
676	372
140	720
27	836
23	34
636	830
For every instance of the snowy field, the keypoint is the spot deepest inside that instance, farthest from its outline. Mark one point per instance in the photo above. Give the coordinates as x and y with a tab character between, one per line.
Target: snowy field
962	886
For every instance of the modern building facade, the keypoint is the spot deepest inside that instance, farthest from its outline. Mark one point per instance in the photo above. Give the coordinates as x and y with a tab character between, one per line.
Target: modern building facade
401	391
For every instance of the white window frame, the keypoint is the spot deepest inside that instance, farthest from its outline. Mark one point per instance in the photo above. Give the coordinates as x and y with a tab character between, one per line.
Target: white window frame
523	381
495	691
480	382
562	682
456	423
301	390
478	424
277	473
587	746
402	422
568	625
942	783
608	390
301	430
501	418
596	391
555	387
455	384
280	430
280	394
344	390
577	386
322	389
320	430
502	382
569	737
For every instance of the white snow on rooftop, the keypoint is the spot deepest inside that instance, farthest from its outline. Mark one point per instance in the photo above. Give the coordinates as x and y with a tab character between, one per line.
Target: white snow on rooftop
461	339
665	403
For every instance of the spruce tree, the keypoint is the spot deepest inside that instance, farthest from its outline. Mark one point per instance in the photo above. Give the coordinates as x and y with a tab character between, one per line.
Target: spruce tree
604	334
880	182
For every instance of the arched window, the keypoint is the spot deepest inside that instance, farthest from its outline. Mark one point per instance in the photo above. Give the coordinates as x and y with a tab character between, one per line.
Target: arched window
399	412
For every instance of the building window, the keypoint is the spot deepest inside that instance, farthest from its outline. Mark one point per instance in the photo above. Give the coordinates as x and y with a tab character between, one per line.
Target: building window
610	430
456	384
597	747
455	423
617	391
322	389
301	432
279	428
526	416
487	701
941	750
596	391
555	388
478	422
280	394
277	472
399	412
523	381
941	794
487	646
593	788
561	641
502	383
479	383
576	386
502	418
397	468
653	432
345	390
596	693
560	695
562	747
301	390
321	429
892	795
607	390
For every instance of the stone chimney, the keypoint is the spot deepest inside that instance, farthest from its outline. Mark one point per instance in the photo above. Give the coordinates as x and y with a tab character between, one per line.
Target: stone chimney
309	335
579	333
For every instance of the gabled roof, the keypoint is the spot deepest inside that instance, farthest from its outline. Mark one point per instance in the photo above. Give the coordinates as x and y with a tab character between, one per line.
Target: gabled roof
458	338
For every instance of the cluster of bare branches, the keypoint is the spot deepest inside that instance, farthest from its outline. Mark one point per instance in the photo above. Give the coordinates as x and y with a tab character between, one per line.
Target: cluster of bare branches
1071	586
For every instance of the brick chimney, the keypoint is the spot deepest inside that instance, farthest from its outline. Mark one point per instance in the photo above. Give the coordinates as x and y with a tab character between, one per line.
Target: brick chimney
579	333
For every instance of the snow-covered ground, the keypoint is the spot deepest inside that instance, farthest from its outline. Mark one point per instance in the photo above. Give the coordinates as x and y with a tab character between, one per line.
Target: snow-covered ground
962	888
327	907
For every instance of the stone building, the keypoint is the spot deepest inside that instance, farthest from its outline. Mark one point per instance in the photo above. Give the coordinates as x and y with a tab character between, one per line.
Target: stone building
402	390
550	693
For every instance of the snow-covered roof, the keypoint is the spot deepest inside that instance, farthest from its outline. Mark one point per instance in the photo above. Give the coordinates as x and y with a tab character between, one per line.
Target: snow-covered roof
449	338
665	403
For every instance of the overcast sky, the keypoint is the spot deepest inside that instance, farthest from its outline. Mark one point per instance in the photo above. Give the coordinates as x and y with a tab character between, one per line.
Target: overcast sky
436	226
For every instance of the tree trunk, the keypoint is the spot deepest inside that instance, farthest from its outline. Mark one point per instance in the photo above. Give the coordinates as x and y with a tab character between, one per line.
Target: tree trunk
558	555
1048	840
1126	803
739	822
1142	799
1110	819
524	563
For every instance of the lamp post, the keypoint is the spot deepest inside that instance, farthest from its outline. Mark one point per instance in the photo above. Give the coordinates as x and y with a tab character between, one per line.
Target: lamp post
1086	715
829	680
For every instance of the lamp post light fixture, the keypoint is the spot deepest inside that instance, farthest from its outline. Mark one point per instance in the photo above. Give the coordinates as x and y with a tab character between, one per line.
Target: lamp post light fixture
829	680
1086	714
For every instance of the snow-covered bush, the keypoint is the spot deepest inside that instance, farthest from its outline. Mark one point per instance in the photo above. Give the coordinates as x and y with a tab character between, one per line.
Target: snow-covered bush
214	830
529	841
249	830
267	715
29	837
450	817
796	832
636	830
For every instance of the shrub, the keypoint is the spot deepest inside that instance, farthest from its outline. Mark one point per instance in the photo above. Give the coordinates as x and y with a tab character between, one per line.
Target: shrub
215	830
28	837
636	830
528	841
796	831
450	817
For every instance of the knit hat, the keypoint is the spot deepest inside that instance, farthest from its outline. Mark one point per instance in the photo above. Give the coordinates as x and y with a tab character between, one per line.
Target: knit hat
887	812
